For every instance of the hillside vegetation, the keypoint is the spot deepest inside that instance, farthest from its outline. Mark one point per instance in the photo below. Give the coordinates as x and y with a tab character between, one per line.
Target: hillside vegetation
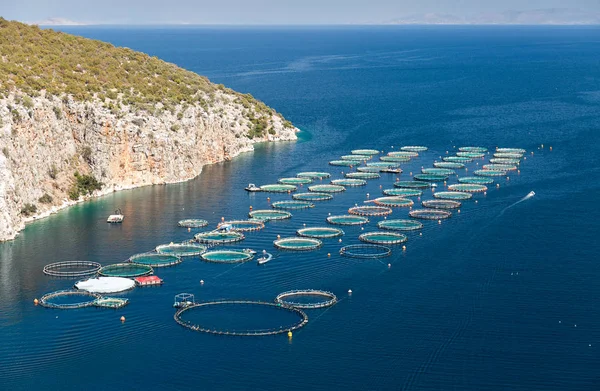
35	60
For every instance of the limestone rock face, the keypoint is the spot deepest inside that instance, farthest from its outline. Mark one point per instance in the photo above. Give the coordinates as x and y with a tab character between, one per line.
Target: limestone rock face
43	144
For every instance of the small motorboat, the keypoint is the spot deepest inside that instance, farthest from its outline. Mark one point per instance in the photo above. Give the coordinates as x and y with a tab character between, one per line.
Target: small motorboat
249	251
531	194
266	257
391	170
252	188
116	218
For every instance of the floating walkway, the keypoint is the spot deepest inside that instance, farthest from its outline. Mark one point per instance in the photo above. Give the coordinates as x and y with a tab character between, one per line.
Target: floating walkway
286	298
302	318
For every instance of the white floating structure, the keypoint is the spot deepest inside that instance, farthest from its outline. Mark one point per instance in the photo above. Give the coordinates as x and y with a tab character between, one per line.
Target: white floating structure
105	284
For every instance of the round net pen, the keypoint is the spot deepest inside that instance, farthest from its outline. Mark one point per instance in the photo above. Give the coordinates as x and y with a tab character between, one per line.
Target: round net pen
269	214
362	175
297	244
395	159
383	238
192	223
347	220
430	214
489	173
452	165
365	251
472	155
371	169
294	181
500	167
473	149
313	175
278	188
514	162
468	188
383	164
181	249
394	202
305	299
368	152
349	182
457	159
53	299
511	150
438	171
302	318
430	177
127	270
226	256
244	225
320	232
155	260
345	163
370	211
441	204
412	185
407	154
400	192
326	188
400	225
508	155
219	237
414	148
313	196
452	195
292	205
476	180
72	269
356	157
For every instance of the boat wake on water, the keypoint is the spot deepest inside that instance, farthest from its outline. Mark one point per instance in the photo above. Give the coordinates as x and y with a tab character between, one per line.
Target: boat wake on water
528	196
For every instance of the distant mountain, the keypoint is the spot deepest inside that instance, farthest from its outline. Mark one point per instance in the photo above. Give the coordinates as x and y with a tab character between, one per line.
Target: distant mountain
58	22
550	16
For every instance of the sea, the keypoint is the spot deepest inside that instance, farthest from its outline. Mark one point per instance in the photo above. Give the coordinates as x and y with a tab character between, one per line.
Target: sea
501	296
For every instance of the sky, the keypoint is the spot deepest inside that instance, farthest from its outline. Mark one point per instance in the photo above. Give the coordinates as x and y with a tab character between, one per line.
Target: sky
263	11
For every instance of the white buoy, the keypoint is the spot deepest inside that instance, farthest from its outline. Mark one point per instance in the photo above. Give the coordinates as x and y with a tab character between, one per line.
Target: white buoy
349	292
201	282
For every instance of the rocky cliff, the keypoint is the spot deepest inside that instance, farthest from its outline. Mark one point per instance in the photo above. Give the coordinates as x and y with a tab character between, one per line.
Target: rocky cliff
46	140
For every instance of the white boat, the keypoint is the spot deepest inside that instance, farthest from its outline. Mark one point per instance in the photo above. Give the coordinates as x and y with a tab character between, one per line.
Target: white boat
252	188
116	218
266	257
531	194
249	251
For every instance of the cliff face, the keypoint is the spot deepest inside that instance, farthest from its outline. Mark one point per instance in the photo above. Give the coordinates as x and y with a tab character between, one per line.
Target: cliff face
45	140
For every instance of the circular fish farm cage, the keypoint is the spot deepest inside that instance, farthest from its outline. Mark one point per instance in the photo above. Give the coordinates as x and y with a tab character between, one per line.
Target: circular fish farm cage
400	225
349	182
155	260
347	220
468	187
395	159
452	195
370	169
297	244
226	256
106	284
370	210
472	155
278	188
395	202
438	171
362	175
127	270
383	164
508	155
292	205
511	150
72	269
181	249
477	180
430	177
383	238
441	204
365	251
269	214
345	163
192	223
412	185
368	152
499	160
457	159
429	214
304	299
294	181
87	299
473	149
218	237
326	188
313	175
408	154
414	148
489	173
452	165
400	192
245	225
356	157
320	232
501	167
236	304
312	196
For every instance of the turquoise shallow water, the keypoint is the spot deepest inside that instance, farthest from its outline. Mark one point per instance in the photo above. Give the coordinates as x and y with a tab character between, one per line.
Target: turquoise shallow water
502	296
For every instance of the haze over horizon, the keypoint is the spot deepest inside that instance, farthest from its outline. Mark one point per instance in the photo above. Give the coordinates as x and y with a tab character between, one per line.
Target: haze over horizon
277	12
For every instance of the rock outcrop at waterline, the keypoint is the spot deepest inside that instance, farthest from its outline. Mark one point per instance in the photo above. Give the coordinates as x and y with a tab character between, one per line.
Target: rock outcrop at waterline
58	148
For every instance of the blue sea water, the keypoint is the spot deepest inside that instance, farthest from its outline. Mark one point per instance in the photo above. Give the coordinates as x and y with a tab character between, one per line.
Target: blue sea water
491	299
